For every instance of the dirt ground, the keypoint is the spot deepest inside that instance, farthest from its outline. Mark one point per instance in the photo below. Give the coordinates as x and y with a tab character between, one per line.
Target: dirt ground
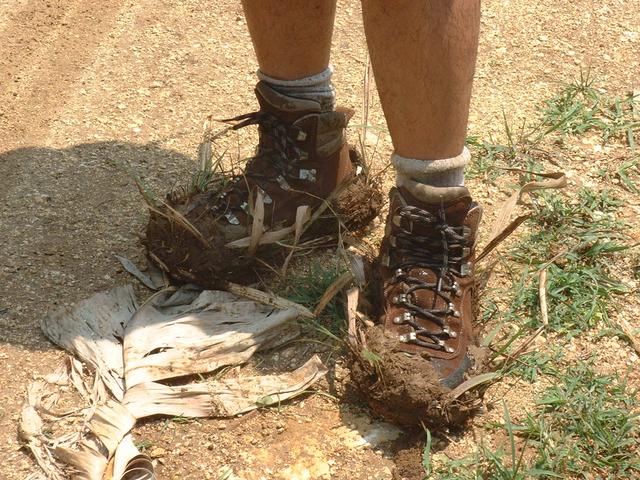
87	85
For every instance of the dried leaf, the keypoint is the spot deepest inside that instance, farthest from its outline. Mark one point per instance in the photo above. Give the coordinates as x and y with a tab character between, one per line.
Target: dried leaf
91	331
146	280
217	329
221	398
268	299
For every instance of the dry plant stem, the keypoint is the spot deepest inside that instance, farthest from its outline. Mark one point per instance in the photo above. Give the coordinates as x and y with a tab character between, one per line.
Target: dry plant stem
338	284
268	299
628	331
542	295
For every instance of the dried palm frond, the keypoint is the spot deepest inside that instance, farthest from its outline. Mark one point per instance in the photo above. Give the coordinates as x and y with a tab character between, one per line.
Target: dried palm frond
131	349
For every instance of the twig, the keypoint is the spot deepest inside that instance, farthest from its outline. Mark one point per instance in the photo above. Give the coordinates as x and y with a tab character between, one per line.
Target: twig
542	294
339	283
628	331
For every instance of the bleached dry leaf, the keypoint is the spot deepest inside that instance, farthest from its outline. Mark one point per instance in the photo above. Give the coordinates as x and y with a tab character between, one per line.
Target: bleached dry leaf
130	464
131	267
91	330
215	330
222	398
87	463
174	333
110	423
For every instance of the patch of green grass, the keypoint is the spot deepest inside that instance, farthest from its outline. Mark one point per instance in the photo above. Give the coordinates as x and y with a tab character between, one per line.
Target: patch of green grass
581	107
519	149
586	426
306	286
573	238
586	423
628	173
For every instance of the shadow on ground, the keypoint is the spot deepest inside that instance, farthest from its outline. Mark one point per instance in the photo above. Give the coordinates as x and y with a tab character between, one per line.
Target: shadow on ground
64	214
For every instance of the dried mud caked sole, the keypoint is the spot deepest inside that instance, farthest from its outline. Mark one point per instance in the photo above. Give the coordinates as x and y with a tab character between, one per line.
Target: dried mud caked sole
405	389
200	255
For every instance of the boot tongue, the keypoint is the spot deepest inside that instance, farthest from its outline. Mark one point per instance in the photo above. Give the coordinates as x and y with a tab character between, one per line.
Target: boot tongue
288	109
456	201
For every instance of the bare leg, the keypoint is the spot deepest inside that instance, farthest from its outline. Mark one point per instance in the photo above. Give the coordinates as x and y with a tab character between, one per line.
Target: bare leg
423	55
292	38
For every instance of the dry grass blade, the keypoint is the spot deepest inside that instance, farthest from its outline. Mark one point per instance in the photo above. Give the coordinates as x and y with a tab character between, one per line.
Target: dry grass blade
553	180
180	219
257	227
130	267
336	287
542	295
351	308
522	348
267	238
472	383
629	333
268	299
303	214
501	236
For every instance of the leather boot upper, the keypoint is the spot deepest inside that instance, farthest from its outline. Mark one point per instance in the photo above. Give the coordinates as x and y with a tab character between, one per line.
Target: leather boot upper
427	273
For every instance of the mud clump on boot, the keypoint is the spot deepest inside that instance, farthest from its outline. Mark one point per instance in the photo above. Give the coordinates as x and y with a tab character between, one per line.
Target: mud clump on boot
404	388
189	256
184	237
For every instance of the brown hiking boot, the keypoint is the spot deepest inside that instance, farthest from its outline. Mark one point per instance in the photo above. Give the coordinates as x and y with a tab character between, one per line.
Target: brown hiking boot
427	276
301	160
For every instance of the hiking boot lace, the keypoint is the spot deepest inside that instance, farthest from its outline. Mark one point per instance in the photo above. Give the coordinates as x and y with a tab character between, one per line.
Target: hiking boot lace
444	253
276	159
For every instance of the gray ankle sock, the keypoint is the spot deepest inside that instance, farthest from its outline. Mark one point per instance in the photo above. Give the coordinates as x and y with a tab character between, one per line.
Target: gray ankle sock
316	87
446	172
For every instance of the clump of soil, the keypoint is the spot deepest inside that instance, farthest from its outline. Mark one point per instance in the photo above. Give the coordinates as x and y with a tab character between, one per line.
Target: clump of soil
201	257
408	464
405	389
